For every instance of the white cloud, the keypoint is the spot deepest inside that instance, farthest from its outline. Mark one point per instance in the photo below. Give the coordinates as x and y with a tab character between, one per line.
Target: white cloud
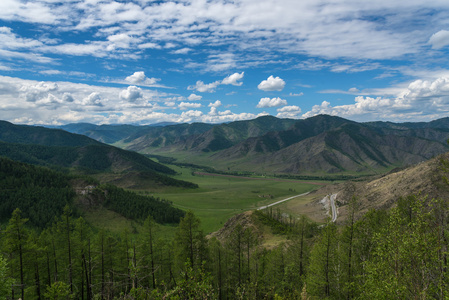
216	104
421	100
273	102
296	95
182	51
292	112
94	99
272	84
131	94
213	111
149	46
194	97
190	115
140	78
221	62
336	29
233	79
67	97
200	86
440	39
39	91
188	105
121	40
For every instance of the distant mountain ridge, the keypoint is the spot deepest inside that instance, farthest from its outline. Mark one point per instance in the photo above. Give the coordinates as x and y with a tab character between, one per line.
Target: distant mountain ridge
320	144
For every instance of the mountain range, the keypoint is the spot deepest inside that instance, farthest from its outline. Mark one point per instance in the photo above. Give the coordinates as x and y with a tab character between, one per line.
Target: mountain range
320	144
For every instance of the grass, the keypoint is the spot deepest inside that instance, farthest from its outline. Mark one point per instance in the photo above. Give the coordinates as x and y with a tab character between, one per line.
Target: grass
220	197
217	199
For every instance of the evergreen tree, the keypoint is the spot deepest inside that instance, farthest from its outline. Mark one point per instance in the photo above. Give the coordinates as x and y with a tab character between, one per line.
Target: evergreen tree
190	241
16	238
323	275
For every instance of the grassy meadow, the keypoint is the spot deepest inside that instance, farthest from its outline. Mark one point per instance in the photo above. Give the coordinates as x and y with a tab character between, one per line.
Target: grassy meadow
220	197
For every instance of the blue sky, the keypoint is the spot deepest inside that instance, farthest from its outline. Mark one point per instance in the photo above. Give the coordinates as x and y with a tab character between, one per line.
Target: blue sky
146	61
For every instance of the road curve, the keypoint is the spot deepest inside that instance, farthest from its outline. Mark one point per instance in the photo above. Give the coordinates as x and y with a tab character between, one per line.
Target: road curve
280	201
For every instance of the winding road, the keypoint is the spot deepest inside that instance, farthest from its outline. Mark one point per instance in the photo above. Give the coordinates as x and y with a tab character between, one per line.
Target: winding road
333	207
280	201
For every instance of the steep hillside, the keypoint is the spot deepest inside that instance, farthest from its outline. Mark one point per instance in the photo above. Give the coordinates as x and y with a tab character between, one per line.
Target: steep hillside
58	149
425	179
23	134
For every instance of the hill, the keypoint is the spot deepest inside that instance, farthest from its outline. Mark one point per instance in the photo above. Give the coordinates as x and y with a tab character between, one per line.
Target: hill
41	194
24	134
384	191
60	149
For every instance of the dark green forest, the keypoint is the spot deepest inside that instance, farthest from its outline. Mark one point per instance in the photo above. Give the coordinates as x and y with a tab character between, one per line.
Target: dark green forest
41	194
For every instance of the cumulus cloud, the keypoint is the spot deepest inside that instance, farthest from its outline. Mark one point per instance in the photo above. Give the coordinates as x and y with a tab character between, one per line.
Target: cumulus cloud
131	94
233	79
420	100
292	112
39	91
94	99
271	102
200	86
272	84
194	97
190	115
440	39
140	78
216	104
67	97
188	105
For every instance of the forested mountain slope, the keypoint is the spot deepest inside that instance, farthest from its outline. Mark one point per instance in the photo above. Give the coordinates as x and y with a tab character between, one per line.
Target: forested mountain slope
41	194
63	150
24	134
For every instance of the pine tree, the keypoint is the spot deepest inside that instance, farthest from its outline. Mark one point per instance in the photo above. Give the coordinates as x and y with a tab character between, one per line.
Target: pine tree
16	238
322	277
190	241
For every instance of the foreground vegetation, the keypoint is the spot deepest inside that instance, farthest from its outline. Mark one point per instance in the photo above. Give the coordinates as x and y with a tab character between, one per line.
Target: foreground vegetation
400	254
396	254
